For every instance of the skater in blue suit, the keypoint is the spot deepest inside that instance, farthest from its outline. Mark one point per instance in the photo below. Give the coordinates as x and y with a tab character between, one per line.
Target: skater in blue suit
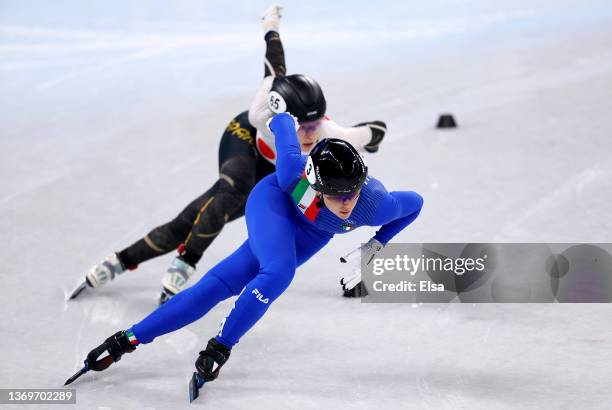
290	215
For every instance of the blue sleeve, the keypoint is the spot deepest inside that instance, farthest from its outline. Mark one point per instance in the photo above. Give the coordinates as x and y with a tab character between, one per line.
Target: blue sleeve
289	160
396	211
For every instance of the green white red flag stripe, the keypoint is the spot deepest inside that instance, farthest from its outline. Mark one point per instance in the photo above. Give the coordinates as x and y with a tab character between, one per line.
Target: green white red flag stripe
131	338
306	199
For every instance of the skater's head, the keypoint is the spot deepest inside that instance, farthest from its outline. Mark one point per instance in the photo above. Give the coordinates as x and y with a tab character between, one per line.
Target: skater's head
303	97
309	133
337	171
341	205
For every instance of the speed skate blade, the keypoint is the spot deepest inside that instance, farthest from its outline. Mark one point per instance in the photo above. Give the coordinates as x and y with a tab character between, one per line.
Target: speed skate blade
76	376
81	286
195	385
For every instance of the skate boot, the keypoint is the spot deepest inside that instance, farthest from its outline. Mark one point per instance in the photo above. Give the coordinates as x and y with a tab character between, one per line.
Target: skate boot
112	349
208	365
175	279
100	274
211	360
270	21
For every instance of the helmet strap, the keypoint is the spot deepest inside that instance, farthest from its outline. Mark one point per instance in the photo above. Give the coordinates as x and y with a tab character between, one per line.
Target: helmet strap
320	203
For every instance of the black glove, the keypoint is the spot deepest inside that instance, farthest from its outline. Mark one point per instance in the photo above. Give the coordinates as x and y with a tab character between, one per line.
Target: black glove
215	353
379	129
115	346
357	291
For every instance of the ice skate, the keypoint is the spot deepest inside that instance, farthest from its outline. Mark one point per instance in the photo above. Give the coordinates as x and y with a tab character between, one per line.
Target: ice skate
99	274
175	279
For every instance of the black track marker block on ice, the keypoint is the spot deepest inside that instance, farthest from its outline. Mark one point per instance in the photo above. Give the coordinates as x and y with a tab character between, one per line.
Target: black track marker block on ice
446	121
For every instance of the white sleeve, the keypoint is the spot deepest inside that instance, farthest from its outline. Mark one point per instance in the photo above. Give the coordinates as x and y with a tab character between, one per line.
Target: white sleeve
259	113
356	136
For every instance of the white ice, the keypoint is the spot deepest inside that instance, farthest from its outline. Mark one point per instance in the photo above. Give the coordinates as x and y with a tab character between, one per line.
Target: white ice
110	117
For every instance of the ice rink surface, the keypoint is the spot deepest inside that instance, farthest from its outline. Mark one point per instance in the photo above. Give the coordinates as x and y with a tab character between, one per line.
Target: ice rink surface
110	117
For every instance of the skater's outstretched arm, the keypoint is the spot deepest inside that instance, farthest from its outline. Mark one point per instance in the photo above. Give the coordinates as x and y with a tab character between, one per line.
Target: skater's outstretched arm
363	136
289	161
397	210
394	211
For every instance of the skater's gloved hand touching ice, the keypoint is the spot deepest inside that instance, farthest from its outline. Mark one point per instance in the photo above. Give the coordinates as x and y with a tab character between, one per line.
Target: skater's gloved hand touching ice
351	282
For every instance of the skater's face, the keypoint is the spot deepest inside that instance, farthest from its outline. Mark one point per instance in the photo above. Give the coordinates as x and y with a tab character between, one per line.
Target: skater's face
341	205
309	133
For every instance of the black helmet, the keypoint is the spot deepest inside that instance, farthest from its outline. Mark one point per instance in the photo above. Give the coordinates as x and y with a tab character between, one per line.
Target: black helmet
334	167
299	95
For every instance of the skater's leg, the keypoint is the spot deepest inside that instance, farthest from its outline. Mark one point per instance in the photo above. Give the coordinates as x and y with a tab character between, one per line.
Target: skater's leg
159	241
237	176
237	141
225	200
232	189
164	238
226	279
272	225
